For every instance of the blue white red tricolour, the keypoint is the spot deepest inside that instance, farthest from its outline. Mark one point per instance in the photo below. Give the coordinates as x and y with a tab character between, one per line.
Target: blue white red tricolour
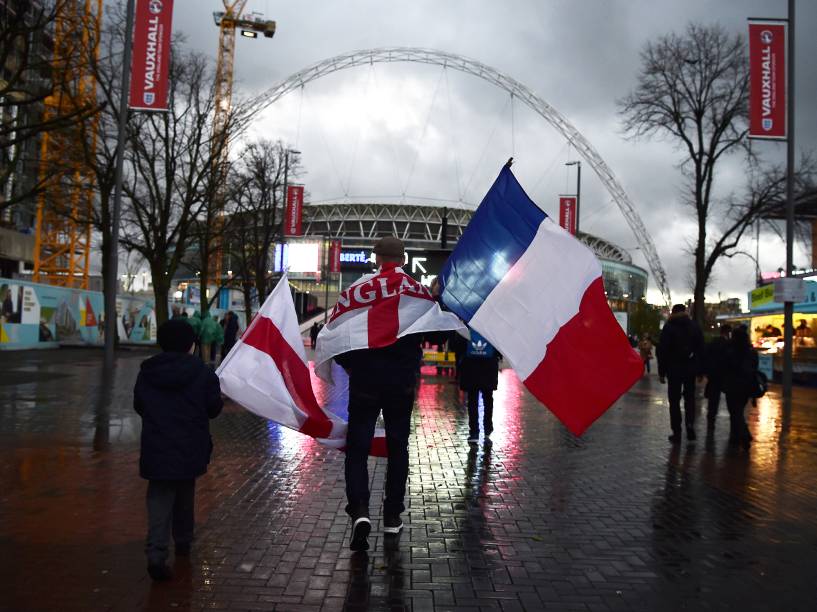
536	293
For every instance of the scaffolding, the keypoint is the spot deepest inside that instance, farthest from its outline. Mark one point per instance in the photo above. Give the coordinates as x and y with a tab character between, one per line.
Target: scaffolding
65	206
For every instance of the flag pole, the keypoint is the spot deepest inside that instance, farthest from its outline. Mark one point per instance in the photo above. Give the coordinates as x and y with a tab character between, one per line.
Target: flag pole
111	278
788	307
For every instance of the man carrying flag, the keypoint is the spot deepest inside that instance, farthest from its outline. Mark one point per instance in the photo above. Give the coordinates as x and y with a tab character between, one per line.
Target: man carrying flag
375	333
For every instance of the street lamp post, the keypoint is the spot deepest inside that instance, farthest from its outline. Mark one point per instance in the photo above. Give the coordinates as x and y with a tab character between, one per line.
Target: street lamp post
578	165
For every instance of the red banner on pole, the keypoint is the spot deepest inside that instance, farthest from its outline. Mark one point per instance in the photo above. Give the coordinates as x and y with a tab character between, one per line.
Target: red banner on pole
294	211
334	256
567	213
150	67
767	79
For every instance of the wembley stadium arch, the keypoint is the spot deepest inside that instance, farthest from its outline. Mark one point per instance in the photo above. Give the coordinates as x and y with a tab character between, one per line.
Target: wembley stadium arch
510	85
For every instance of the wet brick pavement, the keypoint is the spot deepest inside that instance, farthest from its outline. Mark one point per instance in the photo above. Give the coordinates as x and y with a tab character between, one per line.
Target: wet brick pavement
536	520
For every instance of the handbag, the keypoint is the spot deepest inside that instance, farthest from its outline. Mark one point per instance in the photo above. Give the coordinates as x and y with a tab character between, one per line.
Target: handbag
759	386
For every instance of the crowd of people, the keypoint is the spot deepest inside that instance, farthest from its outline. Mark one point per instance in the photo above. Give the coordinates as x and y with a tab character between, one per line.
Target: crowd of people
729	363
212	338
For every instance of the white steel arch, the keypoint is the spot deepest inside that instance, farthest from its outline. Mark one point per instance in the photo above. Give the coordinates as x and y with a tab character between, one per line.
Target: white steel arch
513	87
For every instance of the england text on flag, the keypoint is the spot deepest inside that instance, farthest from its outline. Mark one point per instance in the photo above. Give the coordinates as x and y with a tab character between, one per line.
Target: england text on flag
536	293
377	310
267	373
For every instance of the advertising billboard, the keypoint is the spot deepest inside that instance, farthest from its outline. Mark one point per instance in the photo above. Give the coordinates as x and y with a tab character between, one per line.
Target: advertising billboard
567	213
767	79
150	66
298	257
294	210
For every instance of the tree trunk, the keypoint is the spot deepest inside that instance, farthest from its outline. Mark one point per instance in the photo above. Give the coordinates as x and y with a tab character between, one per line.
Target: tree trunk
203	280
699	292
247	289
160	294
109	290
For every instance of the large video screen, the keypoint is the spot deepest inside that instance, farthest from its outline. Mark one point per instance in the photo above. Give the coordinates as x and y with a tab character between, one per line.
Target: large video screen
298	257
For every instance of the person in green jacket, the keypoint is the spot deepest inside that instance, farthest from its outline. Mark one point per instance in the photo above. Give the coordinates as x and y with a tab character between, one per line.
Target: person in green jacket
212	335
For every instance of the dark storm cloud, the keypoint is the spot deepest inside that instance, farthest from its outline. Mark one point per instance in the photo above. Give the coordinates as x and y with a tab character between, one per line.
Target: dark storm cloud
580	56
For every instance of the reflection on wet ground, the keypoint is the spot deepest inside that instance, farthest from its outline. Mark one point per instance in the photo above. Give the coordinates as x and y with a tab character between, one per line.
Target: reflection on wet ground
534	519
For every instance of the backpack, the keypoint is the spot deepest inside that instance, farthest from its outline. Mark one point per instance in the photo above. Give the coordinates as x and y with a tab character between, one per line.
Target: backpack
479	347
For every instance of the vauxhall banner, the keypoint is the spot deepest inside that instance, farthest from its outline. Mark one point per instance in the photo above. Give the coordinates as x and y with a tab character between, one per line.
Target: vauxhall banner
334	256
767	79
294	212
150	67
567	213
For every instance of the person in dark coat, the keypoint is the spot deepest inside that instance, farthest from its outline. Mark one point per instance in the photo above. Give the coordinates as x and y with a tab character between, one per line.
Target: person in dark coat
739	379
380	379
479	375
714	366
176	395
230	333
680	360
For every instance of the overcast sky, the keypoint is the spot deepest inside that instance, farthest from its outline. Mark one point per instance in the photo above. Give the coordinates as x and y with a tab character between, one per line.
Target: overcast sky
390	129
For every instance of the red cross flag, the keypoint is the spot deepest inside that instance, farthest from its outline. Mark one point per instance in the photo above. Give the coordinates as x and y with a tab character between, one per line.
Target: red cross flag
377	310
267	373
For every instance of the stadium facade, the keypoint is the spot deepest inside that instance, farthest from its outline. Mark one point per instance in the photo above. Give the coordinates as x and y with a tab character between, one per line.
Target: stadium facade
429	232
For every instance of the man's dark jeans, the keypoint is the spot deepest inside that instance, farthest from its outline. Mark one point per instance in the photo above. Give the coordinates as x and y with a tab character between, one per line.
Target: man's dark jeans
365	403
473	411
676	387
170	507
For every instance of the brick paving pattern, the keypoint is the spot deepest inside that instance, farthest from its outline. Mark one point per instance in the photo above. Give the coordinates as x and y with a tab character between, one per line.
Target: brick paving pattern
534	520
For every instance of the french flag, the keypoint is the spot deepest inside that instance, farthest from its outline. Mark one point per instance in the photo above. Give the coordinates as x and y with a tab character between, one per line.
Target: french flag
536	293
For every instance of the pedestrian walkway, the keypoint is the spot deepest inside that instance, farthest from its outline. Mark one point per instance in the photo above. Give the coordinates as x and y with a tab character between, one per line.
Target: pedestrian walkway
535	519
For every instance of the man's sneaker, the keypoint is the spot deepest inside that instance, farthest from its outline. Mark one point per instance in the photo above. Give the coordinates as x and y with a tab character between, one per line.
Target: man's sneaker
392	524
160	572
360	532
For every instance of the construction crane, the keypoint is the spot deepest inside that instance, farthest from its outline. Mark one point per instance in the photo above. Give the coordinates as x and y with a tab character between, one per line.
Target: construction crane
228	21
62	244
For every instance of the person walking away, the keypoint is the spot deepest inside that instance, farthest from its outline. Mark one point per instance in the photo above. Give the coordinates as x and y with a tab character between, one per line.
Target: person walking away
479	376
313	334
645	350
680	361
740	375
714	367
211	336
176	395
230	333
383	377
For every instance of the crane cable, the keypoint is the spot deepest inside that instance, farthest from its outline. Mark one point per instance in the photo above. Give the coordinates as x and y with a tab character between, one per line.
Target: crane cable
359	132
327	148
452	139
423	133
485	148
396	165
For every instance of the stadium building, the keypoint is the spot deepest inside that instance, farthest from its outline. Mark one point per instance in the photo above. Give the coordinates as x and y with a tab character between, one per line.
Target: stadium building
430	233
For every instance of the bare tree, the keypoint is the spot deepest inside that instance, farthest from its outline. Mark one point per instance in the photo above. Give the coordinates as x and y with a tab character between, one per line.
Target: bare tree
693	88
257	205
172	157
39	92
